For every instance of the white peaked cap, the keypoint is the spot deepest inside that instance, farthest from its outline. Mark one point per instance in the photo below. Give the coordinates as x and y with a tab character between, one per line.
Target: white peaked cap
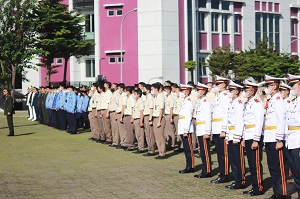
270	79
202	86
232	84
247	83
284	85
221	79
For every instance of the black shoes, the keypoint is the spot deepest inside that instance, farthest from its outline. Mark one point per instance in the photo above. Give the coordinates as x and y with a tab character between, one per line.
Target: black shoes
9	135
149	154
235	186
279	197
129	149
160	157
220	180
186	170
253	192
178	150
203	175
138	151
107	142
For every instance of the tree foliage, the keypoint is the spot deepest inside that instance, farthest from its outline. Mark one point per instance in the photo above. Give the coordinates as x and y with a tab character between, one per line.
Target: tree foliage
254	62
17	38
60	34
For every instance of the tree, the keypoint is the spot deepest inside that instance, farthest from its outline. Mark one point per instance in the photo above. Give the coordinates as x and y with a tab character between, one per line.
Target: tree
190	66
60	35
254	62
17	38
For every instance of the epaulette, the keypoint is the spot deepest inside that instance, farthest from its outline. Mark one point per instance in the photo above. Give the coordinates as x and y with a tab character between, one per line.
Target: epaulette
256	100
289	101
278	98
204	100
240	101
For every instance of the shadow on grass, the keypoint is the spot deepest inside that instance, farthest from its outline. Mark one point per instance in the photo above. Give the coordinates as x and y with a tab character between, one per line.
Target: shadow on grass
20	126
24	134
267	183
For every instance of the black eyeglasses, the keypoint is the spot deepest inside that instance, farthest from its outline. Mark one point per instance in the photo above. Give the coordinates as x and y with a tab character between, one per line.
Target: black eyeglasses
292	84
218	83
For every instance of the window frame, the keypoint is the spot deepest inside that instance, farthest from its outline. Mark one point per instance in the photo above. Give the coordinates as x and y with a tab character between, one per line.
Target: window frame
215	22
117	12
112	62
108	11
92	68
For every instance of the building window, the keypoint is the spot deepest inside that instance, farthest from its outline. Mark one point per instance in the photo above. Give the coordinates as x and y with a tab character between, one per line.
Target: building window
110	13
277	33
225	23
90	68
202	67
202	24
58	61
202	3
215	4
89	23
119	59
257	28
119	12
214	22
237	23
225	5
294	27
112	60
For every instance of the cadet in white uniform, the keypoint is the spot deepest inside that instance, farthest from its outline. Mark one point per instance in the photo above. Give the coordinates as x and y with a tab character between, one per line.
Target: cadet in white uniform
234	136
185	128
293	133
253	122
274	133
219	127
203	130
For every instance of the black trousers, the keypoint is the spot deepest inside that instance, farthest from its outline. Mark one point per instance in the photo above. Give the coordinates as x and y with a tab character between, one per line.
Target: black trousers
205	154
86	122
45	116
49	111
10	123
292	155
222	154
41	121
275	162
72	123
254	161
55	122
62	120
188	151
237	161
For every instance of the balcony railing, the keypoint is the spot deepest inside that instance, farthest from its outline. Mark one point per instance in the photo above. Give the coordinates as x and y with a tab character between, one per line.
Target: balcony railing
83	4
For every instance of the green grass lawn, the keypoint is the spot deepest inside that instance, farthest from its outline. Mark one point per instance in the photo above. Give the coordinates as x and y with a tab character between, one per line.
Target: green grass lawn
41	162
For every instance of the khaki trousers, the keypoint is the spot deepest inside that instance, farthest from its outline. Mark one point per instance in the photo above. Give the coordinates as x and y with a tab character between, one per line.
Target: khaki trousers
169	132
100	125
159	136
149	135
106	125
114	128
129	135
94	124
139	134
178	137
122	130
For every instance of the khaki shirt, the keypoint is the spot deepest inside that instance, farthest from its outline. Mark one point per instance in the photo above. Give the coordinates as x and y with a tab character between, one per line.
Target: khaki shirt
94	99
159	104
105	100
99	100
169	103
148	104
113	104
120	102
177	105
138	107
129	105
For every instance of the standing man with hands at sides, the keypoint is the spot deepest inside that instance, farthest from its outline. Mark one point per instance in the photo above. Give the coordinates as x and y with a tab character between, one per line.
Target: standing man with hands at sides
253	117
203	130
185	128
234	136
219	127
9	111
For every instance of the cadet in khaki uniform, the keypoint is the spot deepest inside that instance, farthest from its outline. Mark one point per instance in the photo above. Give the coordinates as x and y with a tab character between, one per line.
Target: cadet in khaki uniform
169	127
113	115
126	116
234	136
185	128
100	100
148	112
159	122
119	109
138	118
292	143
177	106
274	131
219	127
105	113
93	113
203	130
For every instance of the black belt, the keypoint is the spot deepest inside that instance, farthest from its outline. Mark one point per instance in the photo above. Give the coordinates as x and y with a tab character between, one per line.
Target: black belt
118	112
126	115
146	115
167	114
154	117
112	111
136	118
175	114
93	108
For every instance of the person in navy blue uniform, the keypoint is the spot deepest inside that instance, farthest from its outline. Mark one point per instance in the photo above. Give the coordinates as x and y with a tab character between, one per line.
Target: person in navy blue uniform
70	108
48	106
55	108
60	103
84	110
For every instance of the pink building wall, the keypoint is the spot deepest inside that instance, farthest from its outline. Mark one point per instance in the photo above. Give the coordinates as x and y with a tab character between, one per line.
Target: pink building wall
181	39
110	40
215	40
225	39
203	41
